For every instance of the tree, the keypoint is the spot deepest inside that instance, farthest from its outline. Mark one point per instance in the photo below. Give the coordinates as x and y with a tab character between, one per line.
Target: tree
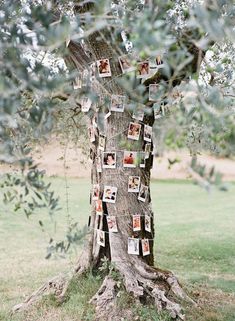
104	34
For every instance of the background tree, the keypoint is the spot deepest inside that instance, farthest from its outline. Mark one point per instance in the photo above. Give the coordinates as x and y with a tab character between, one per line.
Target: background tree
150	28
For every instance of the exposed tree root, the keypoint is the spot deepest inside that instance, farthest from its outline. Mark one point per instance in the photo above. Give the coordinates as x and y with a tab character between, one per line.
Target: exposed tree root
161	288
56	286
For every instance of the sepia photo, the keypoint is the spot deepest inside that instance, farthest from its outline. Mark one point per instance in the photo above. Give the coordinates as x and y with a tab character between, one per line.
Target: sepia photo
95	192
117	103
104	69
147	223
145	247
134	131
143	69
112	223
125	63
133	184
101	238
148	131
136	223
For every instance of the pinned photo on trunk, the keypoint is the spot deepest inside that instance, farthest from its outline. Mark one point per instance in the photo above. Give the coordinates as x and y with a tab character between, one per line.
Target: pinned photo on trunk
99	165
143	193
147	150
77	83
101	238
109	160
148	131
102	140
85	104
143	69
129	159
147	223
104	69
159	61
125	63
91	130
133	246
110	194
133	184
145	247
95	192
138	114
141	159
118	103
99	207
158	110
136	223
153	92
134	131
112	223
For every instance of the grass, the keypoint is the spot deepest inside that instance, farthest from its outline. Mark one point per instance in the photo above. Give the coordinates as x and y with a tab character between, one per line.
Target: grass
194	238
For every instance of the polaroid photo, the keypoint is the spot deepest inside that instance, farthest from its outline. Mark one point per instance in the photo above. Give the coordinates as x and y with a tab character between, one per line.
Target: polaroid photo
101	238
129	159
145	247
92	70
85	78
91	130
110	194
134	131
147	150
143	193
136	222
77	84
148	132
99	165
102	140
133	246
159	62
125	63
117	103
95	192
109	159
104	69
147	223
141	159
158	110
85	104
153	92
133	184
138	114
143	69
112	223
99	207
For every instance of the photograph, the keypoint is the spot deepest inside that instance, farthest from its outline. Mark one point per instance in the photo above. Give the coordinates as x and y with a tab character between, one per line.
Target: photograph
138	114
101	238
102	140
110	194
112	223
104	69
153	92
133	184
158	110
95	192
143	69
91	130
145	247
92	70
125	63
158	60
148	131
147	150
99	207
136	223
99	165
77	83
141	159
117	103
147	223
109	160
143	193
85	104
134	131
133	246
129	159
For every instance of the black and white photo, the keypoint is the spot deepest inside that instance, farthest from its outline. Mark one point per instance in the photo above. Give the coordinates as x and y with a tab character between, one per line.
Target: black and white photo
110	194
117	103
109	160
133	184
148	131
143	193
133	246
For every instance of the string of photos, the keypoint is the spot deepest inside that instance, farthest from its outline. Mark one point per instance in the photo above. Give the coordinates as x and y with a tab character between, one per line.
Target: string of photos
130	159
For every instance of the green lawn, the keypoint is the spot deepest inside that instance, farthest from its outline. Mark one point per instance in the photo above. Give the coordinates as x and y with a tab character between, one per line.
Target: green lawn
195	238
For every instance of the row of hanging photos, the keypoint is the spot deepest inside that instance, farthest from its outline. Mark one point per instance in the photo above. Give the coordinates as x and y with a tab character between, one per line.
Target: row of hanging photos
133	243
143	69
118	102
